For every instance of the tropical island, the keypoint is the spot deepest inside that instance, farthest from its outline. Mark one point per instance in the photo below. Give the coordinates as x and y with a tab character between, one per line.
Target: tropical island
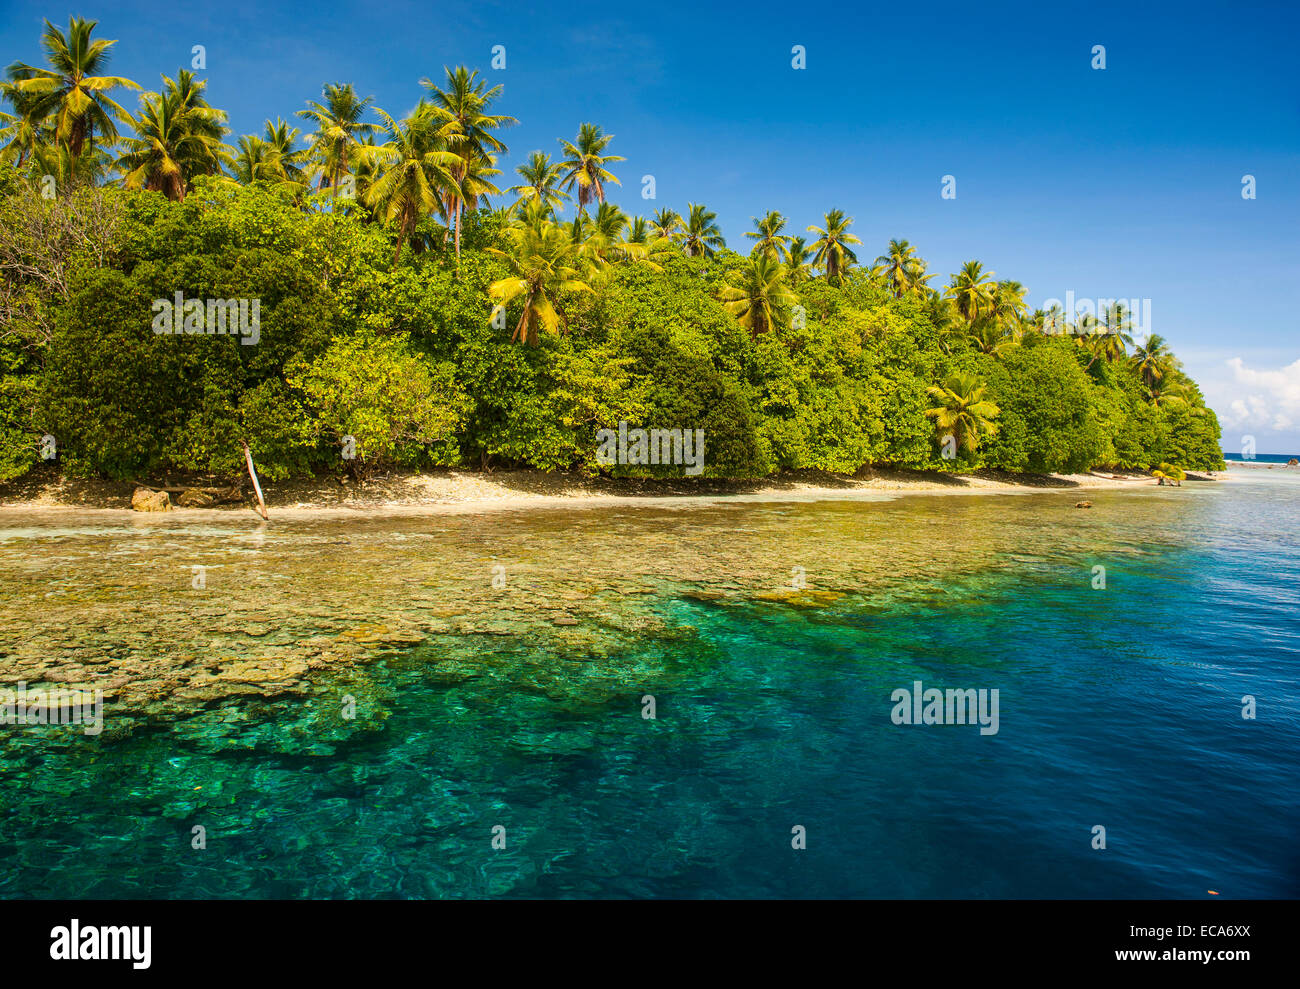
365	294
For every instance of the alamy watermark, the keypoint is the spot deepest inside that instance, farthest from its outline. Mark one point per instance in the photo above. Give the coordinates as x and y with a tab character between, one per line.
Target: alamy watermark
932	706
682	447
57	706
1136	313
102	943
227	317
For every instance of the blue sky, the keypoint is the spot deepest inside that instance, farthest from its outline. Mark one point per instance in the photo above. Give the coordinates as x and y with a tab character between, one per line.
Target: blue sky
1116	183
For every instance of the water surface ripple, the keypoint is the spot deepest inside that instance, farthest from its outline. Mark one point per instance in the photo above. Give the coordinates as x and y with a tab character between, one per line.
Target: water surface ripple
770	636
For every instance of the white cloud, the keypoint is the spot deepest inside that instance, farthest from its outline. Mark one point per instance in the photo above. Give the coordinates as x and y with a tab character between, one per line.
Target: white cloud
1265	400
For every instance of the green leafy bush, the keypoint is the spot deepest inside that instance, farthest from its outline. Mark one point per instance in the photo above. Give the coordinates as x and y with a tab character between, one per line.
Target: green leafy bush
405	359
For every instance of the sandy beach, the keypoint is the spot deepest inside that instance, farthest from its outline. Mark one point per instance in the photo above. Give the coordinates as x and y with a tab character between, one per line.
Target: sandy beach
462	491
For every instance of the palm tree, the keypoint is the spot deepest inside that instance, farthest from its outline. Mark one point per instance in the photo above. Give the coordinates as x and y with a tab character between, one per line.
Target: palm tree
1169	392
252	161
272	159
367	167
770	241
1008	309
465	103
609	222
339	128
586	161
1169	474
1116	319
904	272
545	266
833	254
758	295
1053	321
962	412
1085	324
1153	360
991	337
579	228
798	256
71	91
178	136
1116	344
476	184
667	223
286	157
1118	336
971	291
22	131
603	235
541	182
416	170
701	235
93	165
463	107
1108	341
641	244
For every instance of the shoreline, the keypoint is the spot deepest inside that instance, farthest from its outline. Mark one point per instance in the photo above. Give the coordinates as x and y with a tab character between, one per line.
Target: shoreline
203	615
453	491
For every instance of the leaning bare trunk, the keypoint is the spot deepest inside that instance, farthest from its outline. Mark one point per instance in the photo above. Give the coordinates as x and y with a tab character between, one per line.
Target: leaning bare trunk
521	329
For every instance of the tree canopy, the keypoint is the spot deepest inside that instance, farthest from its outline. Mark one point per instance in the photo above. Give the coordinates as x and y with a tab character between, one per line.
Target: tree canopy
506	333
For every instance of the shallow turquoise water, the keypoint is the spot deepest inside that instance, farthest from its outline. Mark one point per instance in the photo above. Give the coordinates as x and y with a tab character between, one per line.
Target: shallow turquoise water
1118	707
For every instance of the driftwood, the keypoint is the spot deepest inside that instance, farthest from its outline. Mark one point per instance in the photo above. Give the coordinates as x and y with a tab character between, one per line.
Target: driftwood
248	459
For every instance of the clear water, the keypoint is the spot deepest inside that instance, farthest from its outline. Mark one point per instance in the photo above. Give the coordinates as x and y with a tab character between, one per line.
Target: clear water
521	706
1236	457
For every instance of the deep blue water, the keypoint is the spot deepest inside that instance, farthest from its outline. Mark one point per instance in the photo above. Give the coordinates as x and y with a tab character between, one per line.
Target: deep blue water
1120	707
1235	456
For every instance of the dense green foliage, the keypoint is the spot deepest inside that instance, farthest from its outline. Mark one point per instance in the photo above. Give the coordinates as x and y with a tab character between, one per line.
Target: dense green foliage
397	319
405	358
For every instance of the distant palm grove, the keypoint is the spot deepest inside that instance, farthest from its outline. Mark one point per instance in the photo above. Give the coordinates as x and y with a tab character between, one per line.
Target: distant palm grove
418	305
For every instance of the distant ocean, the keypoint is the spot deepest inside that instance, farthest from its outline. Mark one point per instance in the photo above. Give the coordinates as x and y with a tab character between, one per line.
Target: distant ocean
1235	457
